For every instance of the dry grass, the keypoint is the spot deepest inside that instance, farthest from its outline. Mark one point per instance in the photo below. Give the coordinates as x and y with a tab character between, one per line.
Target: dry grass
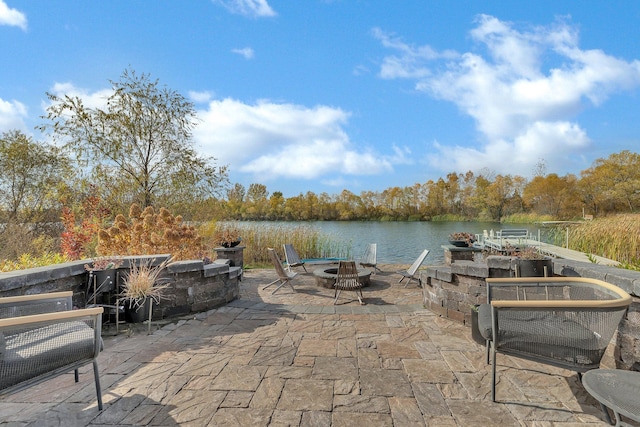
616	237
309	243
144	280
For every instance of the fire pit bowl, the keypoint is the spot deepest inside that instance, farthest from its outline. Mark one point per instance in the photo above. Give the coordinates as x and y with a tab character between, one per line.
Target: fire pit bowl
326	277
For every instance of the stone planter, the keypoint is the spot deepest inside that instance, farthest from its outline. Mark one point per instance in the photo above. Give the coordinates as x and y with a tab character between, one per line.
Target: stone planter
235	255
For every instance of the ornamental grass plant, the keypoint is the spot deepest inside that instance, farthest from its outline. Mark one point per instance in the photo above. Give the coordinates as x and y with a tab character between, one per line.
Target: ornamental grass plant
145	280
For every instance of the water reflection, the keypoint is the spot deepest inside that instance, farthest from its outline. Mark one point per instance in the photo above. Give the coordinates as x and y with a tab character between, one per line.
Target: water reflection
398	242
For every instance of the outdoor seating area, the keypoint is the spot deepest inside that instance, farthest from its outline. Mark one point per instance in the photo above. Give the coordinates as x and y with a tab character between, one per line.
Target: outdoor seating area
561	321
294	358
42	337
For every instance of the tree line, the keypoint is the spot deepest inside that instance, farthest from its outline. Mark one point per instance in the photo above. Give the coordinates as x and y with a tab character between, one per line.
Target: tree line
610	185
137	147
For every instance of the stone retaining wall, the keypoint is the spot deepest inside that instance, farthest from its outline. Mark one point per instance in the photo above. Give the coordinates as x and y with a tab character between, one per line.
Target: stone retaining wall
451	289
193	286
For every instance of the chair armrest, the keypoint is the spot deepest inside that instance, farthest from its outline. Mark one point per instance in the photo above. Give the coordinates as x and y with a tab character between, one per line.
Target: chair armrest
50	317
25	305
559	304
601	294
36	297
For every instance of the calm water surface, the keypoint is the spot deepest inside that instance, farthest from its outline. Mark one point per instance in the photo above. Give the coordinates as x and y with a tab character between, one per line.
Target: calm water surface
398	242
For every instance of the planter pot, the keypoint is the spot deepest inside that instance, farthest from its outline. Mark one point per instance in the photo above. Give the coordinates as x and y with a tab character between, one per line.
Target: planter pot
138	314
105	280
533	267
475	329
459	243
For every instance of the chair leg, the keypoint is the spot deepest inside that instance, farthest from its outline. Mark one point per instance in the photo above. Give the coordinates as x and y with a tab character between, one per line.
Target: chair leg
305	268
493	373
282	283
274	282
360	296
76	375
401	279
336	296
97	379
291	285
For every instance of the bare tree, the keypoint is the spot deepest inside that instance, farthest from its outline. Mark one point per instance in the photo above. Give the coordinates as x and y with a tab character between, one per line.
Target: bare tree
139	144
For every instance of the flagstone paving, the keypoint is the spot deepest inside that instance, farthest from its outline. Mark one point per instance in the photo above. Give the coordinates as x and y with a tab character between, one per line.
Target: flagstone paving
295	359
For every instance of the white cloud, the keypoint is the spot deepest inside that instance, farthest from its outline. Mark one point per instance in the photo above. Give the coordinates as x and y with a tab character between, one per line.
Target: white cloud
12	115
251	8
522	109
247	52
97	99
12	17
270	140
200	97
558	143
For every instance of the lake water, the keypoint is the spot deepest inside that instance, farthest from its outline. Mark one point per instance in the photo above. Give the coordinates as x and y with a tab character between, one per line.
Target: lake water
399	242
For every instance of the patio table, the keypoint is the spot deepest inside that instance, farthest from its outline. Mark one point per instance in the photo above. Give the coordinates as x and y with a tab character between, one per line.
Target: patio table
617	389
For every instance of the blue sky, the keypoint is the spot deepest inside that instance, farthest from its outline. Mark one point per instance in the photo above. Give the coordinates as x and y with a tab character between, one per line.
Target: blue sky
326	95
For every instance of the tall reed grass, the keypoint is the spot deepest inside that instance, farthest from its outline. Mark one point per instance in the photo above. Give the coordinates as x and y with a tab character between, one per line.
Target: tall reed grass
525	218
309	243
614	237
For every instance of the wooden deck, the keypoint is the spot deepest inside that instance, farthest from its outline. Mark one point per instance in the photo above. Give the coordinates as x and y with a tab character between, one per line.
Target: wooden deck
547	249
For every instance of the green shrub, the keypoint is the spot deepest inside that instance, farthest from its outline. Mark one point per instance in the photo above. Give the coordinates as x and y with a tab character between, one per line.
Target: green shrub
30	261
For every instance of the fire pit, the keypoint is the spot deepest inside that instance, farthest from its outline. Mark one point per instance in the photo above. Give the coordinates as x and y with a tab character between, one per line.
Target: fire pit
326	277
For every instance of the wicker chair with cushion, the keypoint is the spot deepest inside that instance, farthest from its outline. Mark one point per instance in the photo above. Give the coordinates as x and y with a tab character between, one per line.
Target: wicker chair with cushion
41	337
561	321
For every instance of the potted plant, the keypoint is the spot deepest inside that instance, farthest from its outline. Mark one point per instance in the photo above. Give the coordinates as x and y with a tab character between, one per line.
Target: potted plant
462	239
142	286
227	237
528	262
102	273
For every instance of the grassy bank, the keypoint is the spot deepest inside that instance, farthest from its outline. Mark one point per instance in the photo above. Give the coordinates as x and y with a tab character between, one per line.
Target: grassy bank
309	243
616	237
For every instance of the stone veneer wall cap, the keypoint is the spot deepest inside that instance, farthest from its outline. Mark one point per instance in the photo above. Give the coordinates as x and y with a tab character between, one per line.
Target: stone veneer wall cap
213	269
185	266
431	272
444	274
19	278
235	272
498	261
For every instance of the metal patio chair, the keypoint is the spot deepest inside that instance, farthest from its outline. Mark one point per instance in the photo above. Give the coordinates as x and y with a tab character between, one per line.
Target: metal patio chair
284	277
410	273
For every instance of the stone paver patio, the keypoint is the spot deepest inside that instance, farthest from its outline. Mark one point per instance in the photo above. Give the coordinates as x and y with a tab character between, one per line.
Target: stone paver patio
294	359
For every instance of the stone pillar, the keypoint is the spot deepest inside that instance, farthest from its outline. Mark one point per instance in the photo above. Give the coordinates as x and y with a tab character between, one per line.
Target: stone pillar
235	255
457	253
